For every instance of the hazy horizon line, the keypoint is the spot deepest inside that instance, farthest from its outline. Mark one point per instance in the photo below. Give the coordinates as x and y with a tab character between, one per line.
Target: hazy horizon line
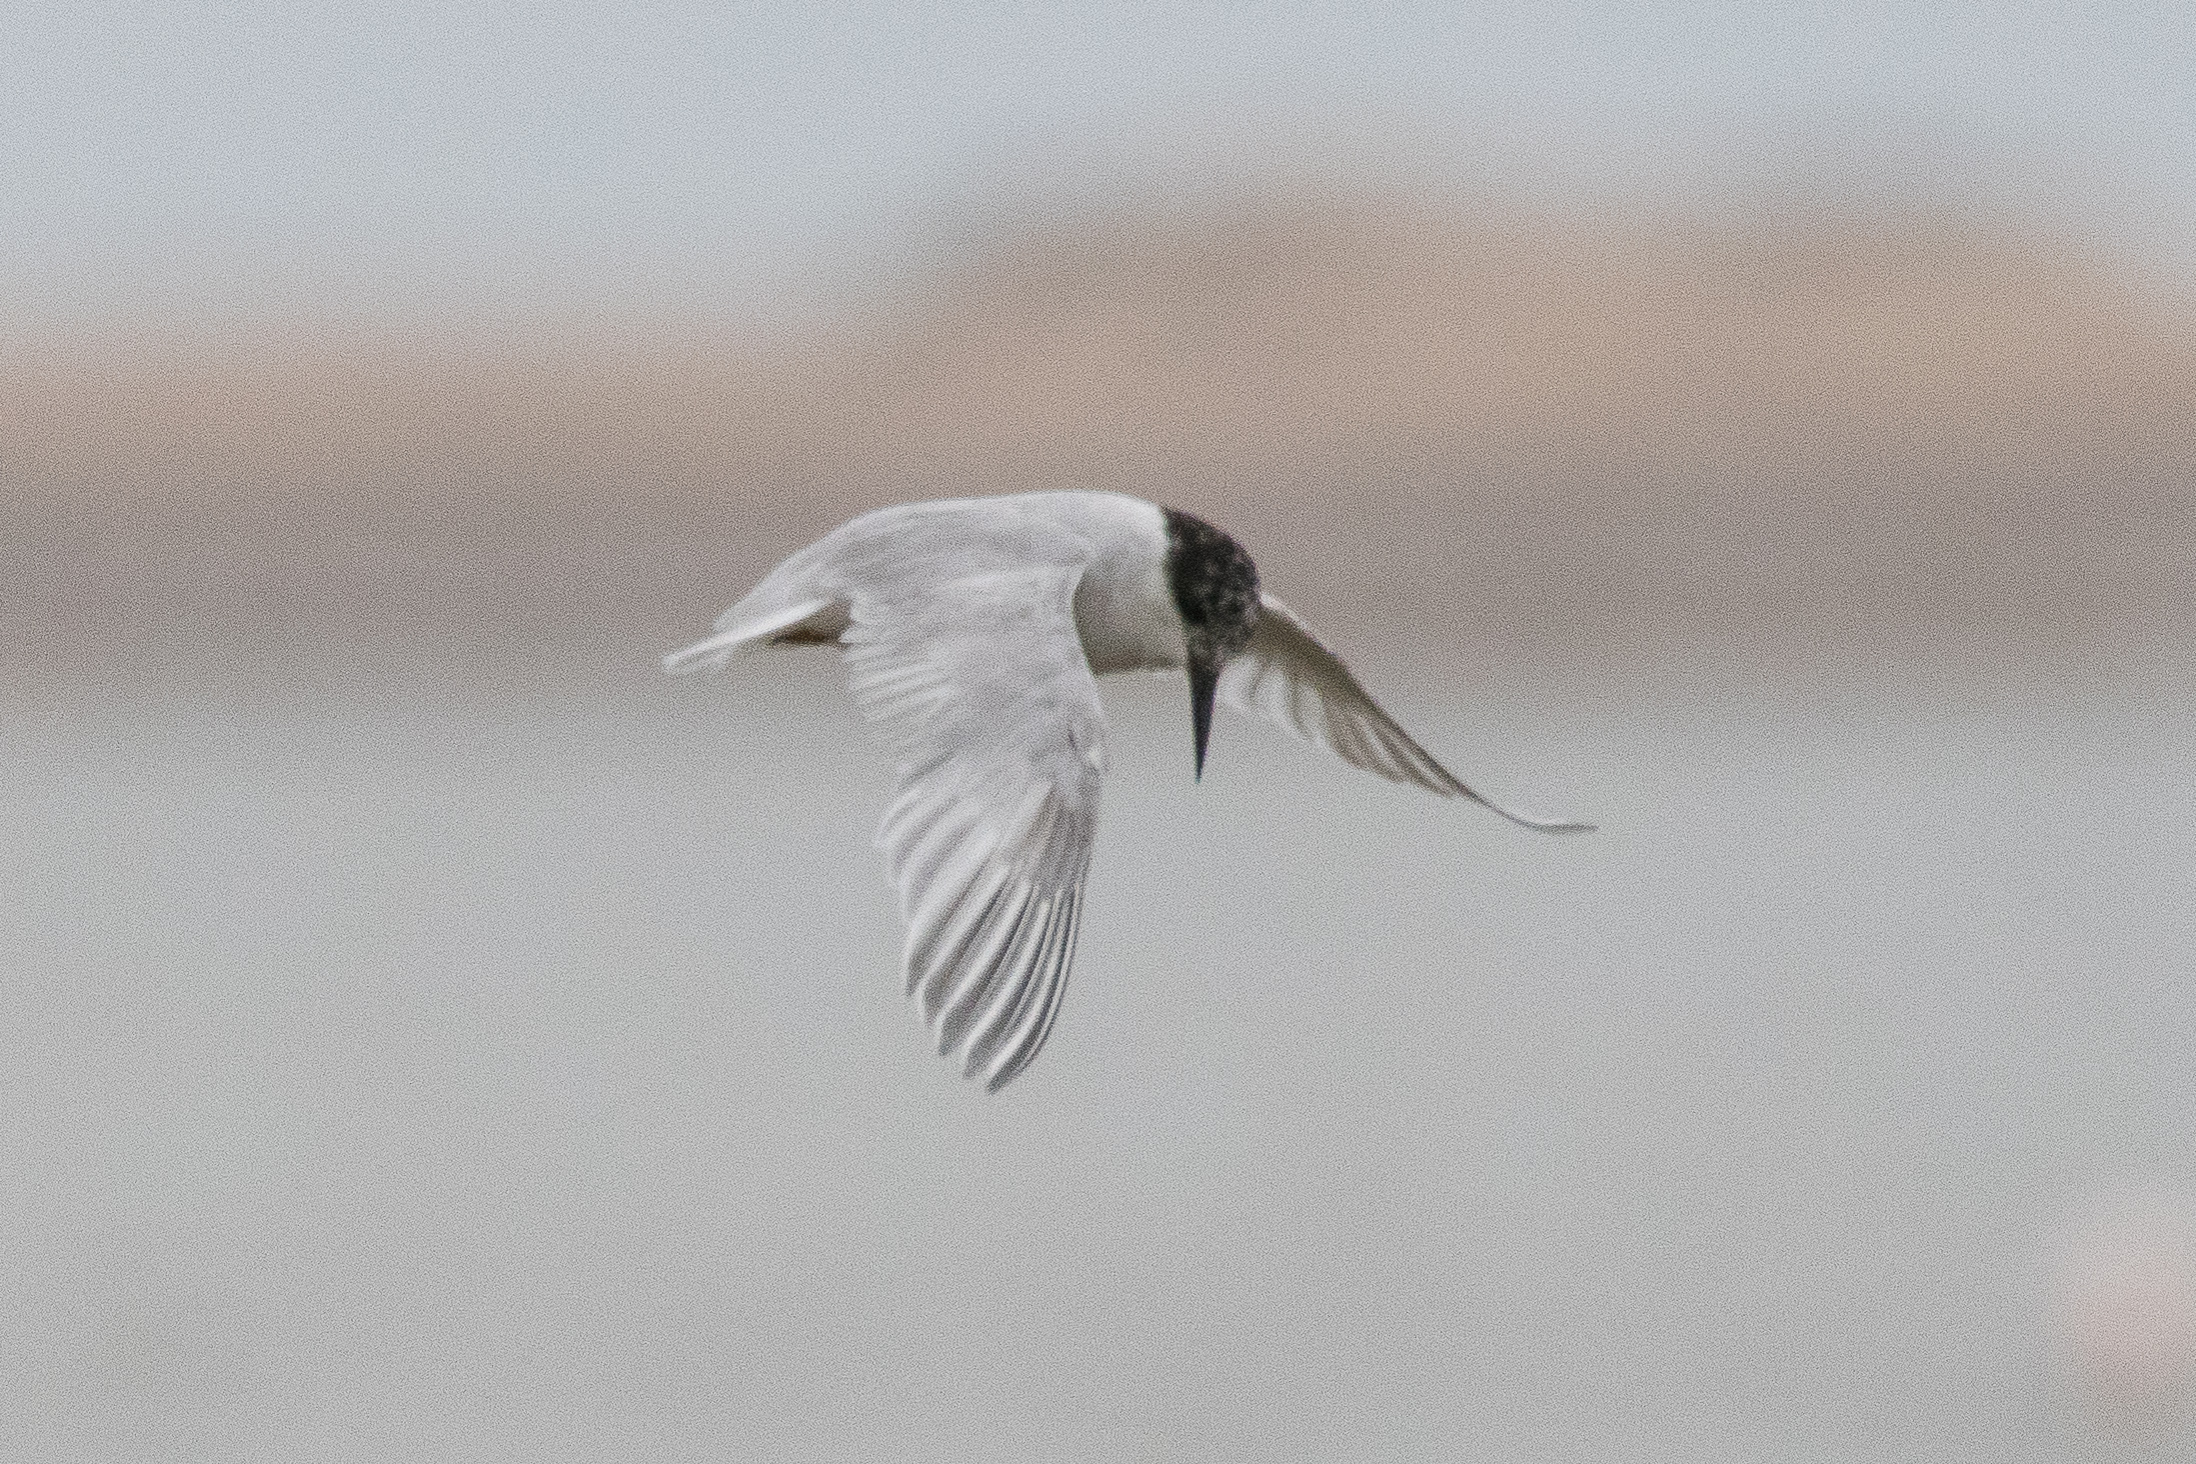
849	287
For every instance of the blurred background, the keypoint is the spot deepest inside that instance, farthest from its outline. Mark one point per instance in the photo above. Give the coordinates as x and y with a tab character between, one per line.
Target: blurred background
431	1032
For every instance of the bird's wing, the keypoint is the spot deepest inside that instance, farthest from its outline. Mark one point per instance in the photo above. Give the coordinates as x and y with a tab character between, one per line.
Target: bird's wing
981	686
1286	676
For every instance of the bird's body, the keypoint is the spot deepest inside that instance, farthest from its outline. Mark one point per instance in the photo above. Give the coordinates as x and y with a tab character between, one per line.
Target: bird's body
973	629
1115	544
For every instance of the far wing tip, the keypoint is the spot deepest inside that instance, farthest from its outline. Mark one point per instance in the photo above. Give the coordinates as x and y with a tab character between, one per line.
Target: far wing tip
1529	821
1554	825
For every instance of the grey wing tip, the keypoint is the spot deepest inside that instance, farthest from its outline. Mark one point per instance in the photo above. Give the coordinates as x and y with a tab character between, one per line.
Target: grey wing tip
1529	821
1558	826
1020	1063
1011	1071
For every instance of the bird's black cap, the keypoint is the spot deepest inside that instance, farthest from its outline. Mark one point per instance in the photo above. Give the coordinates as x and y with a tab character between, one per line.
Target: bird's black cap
1215	589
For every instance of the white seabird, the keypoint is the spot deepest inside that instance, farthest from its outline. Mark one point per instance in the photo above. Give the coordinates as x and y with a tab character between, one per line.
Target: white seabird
973	629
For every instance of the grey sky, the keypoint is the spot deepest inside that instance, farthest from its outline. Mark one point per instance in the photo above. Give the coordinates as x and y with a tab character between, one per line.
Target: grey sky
192	161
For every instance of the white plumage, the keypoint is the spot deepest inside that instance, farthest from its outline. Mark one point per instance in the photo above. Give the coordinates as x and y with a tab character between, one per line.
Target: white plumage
972	630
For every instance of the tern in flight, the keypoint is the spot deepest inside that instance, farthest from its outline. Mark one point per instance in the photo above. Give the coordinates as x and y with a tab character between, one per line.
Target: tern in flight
972	630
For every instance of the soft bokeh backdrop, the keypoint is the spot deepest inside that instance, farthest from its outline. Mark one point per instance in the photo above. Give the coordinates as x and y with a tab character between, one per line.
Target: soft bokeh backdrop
431	1032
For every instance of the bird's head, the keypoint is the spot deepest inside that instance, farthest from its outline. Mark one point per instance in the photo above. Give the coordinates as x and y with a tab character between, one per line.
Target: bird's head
1215	588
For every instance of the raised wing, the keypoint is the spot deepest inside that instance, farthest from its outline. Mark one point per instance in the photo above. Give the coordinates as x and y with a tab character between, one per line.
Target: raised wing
1286	676
981	686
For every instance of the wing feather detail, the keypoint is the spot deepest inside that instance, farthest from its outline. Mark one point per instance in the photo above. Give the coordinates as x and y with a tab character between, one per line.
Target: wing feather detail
981	688
1287	677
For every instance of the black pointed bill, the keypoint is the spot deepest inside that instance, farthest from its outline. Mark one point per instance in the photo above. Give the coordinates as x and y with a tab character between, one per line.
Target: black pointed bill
1204	672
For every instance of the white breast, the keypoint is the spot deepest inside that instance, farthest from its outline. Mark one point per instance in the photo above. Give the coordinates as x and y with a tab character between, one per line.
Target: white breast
1123	607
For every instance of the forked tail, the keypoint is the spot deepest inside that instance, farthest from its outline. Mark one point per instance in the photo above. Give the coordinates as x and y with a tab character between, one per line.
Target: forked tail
742	627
